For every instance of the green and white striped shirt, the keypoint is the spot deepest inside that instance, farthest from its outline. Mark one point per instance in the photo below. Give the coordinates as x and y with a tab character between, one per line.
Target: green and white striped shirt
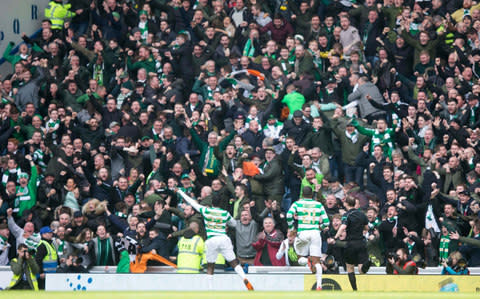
310	215
216	220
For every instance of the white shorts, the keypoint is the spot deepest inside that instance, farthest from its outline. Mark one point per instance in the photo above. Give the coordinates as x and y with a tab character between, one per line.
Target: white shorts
219	245
308	243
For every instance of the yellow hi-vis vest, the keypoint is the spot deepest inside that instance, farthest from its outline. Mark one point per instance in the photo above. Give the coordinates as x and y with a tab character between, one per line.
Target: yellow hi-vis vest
16	278
50	261
190	252
57	13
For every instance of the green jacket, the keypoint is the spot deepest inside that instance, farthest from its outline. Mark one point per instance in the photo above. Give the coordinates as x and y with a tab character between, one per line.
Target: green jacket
204	90
85	97
204	150
305	64
391	14
70	100
32	192
306	183
261	105
148	64
420	162
456	178
294	101
430	47
272	178
302	21
20	136
14	58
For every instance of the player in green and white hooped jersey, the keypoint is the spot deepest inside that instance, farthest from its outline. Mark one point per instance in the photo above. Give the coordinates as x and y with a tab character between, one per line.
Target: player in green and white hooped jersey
311	217
216	221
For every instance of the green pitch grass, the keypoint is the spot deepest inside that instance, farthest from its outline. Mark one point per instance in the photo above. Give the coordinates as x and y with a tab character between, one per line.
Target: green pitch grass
232	295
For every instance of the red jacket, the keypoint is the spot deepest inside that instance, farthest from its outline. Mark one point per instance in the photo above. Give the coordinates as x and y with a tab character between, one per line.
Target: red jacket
273	242
278	34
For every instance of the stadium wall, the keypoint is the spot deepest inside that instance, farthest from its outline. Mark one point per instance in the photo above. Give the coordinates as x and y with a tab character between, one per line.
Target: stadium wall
17	16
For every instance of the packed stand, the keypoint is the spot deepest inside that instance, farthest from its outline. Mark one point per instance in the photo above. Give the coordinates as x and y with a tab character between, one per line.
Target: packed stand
117	104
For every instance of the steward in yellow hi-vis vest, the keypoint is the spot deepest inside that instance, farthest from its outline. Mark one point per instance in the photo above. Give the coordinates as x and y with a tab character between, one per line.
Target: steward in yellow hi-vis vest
25	271
191	248
57	12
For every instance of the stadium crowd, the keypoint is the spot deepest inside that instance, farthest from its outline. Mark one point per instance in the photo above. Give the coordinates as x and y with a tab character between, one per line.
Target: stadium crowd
118	103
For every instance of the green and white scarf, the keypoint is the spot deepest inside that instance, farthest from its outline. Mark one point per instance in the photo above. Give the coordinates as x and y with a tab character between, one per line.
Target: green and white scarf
443	250
7	174
353	137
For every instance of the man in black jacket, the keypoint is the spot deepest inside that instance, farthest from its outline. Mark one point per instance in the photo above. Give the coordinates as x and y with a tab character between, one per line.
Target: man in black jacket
372	30
182	52
253	136
158	243
296	127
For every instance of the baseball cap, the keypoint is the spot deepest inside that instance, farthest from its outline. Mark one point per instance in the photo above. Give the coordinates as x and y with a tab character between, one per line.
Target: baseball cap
185	34
124	75
135	30
45	230
113	124
299	37
146	138
269	148
23	175
185	176
128	85
331	81
77	214
298	113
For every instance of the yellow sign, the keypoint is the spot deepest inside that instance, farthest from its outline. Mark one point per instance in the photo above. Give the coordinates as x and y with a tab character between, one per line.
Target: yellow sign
417	283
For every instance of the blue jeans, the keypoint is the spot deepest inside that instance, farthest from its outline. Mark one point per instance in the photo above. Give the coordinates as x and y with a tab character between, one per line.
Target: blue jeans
332	162
79	28
353	174
287	200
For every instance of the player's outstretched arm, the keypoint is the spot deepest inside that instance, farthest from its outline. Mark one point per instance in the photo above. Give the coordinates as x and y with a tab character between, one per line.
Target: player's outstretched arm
190	200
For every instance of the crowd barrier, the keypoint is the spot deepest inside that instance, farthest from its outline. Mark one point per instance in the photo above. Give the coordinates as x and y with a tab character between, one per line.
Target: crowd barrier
262	282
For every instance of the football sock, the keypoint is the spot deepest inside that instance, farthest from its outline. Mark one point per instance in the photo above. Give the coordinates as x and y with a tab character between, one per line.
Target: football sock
319	275
366	267
353	280
210	281
240	271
